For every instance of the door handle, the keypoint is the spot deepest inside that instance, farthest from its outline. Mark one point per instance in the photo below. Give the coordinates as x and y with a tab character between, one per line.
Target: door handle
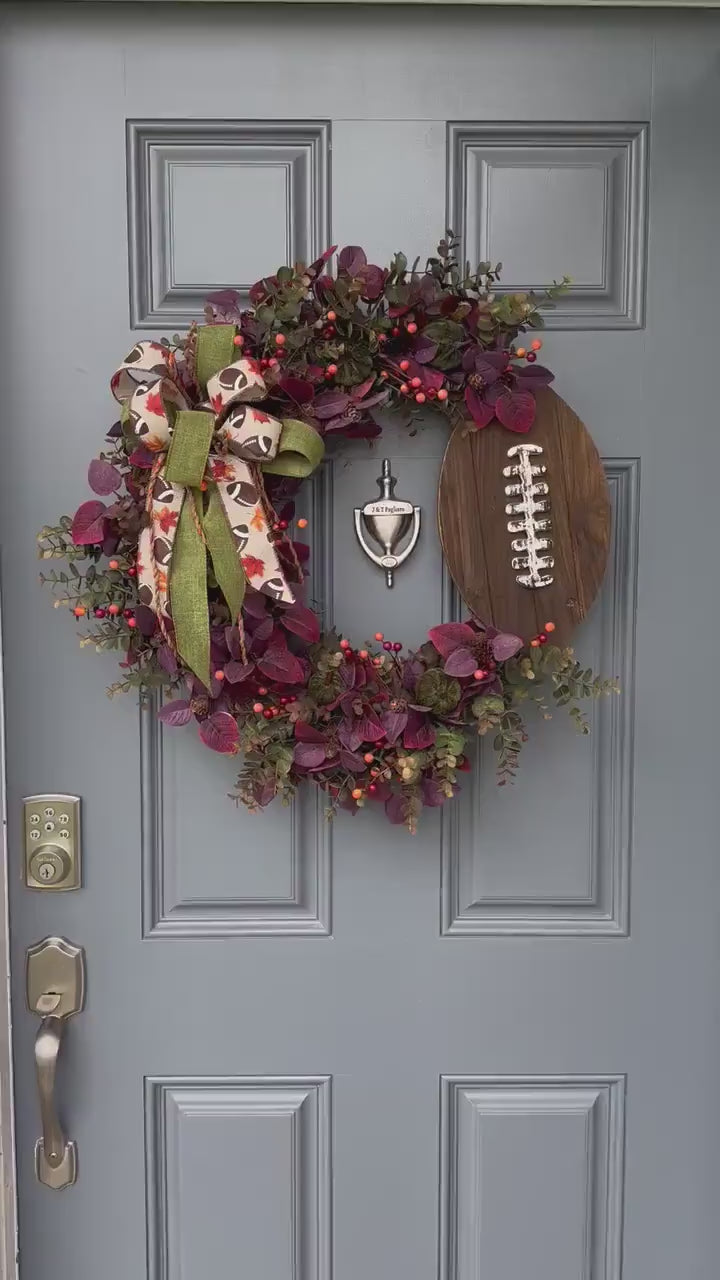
55	991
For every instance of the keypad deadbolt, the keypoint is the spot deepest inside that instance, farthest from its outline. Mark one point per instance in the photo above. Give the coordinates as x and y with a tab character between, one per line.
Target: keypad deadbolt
52	842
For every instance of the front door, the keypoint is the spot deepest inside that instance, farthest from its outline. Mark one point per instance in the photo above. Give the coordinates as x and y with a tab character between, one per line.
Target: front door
489	1051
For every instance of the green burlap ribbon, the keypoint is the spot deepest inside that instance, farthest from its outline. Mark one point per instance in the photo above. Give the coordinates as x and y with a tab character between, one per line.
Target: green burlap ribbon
203	528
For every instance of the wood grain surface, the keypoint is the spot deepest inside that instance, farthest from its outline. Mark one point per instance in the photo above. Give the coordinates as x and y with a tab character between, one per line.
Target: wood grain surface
473	522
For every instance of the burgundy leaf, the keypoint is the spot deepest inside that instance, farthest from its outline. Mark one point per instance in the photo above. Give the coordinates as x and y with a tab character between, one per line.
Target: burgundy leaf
461	662
432	793
533	375
393	723
220	732
373	279
516	410
369	728
419	732
480	411
297	388
281	665
232	642
302	622
396	809
349	735
103	477
330	403
146	620
505	645
88	524
175	713
351	259
236	672
262	634
167	659
352	761
316	267
424	350
255	603
225	299
310	755
142	457
307	733
449	635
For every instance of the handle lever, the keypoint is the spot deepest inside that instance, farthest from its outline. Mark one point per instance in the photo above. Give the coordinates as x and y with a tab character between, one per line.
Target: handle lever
55	1156
55	991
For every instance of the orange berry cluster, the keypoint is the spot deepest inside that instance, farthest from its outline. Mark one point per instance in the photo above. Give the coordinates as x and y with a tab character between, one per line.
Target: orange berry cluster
531	355
542	637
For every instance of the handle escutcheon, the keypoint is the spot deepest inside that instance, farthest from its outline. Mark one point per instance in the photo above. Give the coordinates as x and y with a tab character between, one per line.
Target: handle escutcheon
55	991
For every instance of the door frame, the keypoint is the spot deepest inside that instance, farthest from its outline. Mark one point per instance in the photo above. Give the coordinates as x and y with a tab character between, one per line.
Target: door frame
8	1186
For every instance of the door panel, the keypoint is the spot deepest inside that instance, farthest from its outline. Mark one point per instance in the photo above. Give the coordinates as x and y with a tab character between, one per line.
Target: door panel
489	1051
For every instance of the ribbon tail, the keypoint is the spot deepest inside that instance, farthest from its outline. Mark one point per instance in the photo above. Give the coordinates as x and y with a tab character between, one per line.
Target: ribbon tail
188	592
228	570
241	497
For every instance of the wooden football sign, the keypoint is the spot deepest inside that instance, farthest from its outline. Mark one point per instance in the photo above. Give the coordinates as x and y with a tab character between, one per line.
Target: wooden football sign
525	521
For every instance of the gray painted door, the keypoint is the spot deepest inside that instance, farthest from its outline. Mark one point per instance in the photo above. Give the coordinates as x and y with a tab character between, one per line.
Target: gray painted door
490	1052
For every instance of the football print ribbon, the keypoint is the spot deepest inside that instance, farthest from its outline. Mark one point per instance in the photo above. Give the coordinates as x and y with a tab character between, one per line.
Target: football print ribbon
206	496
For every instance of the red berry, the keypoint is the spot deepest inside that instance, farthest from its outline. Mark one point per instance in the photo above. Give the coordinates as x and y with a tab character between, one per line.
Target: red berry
368	757
416	382
331	370
349	655
113	564
420	397
404	388
114	610
258	708
79	611
531	357
219	674
127	613
372	788
282	525
397	647
387	645
262	691
132	622
404	365
412	327
284	700
382	337
431	393
442	394
100	613
479	674
362	653
280	339
542	638
395	331
238	340
267	714
132	572
379	635
331	315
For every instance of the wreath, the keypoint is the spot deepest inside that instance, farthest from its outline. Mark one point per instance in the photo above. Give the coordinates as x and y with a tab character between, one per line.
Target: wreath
188	561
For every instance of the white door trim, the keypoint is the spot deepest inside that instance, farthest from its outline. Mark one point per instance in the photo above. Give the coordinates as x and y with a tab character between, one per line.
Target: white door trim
8	1189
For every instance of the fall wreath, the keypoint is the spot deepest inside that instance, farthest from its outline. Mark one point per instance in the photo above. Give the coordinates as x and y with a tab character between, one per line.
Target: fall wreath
189	559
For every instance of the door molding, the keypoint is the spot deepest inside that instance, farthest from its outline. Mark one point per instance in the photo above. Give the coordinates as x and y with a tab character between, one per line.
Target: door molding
8	1189
537	4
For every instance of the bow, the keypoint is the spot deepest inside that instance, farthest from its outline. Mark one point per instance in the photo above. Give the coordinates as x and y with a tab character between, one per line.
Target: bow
206	496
